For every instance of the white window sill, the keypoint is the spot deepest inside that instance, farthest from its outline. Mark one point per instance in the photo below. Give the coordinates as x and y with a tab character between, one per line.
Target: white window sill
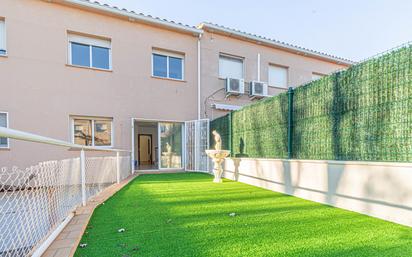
6	148
88	68
164	78
4	55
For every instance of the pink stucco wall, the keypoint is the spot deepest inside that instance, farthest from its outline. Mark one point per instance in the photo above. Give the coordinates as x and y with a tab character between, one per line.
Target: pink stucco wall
41	92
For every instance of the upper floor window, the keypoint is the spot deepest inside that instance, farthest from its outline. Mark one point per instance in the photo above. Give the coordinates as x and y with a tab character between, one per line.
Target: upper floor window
4	142
278	76
167	65
230	67
89	52
92	131
316	76
3	50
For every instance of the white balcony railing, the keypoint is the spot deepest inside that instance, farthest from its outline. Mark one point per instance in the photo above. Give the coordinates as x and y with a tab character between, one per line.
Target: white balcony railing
36	202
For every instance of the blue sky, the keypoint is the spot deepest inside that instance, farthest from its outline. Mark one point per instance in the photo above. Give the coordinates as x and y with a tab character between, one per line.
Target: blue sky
350	29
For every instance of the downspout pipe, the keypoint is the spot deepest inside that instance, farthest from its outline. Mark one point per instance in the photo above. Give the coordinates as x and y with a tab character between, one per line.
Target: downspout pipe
198	77
258	67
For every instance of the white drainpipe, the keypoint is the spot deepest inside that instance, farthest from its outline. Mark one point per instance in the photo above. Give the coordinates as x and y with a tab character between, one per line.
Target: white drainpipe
258	67
198	77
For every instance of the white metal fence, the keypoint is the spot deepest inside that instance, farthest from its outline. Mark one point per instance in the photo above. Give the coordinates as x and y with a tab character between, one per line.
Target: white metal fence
197	141
35	201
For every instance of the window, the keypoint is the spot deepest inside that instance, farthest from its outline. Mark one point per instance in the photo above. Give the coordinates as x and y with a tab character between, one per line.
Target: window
278	76
167	66
316	76
92	132
2	37
230	67
4	142
89	52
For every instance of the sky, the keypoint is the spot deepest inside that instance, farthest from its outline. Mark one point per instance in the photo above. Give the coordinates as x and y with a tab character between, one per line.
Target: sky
352	29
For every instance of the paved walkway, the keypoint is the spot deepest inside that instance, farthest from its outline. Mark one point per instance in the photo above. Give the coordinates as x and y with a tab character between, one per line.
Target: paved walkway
66	243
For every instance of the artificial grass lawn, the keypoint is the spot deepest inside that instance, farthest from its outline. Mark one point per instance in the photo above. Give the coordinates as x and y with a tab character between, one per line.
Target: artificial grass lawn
187	215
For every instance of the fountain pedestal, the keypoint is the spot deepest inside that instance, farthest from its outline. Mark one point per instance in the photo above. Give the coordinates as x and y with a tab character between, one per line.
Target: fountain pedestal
218	156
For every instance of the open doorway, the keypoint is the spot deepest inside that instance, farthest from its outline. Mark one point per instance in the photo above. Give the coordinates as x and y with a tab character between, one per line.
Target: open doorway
145	150
158	145
146	145
170	145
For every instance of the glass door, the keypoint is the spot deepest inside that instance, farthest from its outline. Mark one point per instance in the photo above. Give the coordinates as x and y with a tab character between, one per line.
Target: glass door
171	146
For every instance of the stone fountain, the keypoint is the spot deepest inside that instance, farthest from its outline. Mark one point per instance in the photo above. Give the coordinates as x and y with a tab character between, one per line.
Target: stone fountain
218	156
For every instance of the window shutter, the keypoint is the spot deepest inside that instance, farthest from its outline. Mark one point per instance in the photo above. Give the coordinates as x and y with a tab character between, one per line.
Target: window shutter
230	67
316	76
278	76
93	41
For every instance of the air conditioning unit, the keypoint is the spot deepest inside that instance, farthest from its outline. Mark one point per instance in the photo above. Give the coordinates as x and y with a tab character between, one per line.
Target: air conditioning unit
235	86
258	89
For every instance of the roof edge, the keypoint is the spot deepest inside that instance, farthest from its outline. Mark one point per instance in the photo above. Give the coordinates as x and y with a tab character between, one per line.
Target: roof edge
273	43
130	15
199	30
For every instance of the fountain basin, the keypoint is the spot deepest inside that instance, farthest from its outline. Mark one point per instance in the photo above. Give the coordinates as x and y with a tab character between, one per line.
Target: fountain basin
218	156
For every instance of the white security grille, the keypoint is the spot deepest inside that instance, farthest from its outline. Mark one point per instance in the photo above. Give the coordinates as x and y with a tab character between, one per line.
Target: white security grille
197	142
35	200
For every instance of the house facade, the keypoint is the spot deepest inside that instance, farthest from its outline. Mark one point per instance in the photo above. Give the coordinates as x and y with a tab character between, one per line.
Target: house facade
96	75
277	64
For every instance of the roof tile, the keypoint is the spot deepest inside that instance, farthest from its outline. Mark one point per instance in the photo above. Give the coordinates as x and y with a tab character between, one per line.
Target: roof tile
142	14
223	27
280	42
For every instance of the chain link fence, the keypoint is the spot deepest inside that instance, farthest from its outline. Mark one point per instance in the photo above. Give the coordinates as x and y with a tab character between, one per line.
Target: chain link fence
37	199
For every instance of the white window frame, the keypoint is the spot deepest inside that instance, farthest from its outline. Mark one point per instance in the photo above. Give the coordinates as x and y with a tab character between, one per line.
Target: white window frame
168	55
90	41
287	75
232	57
2	19
7	126
93	119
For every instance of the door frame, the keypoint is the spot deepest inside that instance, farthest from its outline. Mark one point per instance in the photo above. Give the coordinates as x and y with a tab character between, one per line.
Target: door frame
151	147
133	120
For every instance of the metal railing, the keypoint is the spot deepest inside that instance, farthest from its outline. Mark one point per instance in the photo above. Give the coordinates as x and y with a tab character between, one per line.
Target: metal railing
38	201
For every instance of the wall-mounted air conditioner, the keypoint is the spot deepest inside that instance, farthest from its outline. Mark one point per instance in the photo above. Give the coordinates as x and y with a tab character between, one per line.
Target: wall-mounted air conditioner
235	86
258	89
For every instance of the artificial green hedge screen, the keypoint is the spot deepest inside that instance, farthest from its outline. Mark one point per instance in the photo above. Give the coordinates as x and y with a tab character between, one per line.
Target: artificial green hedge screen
221	125
362	113
260	130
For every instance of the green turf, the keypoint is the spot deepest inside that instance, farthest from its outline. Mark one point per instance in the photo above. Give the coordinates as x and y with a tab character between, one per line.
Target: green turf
188	215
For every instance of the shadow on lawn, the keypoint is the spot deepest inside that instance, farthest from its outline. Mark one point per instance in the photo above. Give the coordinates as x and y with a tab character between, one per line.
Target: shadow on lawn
160	220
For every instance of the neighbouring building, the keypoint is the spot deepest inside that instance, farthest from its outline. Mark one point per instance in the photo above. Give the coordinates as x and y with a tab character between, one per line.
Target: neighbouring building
97	75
